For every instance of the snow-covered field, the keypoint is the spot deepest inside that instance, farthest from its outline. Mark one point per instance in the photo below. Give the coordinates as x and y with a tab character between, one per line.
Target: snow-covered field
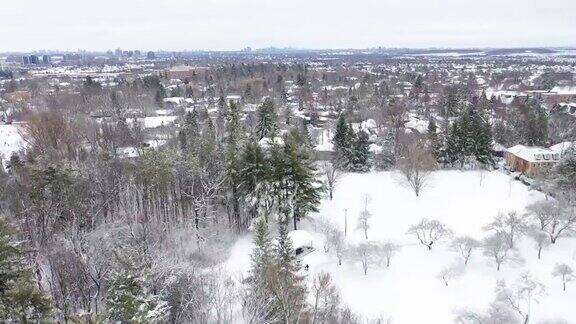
409	290
10	141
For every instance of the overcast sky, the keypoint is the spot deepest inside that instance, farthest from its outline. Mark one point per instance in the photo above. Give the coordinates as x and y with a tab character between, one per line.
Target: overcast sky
234	24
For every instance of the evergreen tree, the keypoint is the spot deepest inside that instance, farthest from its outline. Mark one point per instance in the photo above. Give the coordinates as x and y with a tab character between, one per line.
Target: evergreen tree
360	159
233	163
190	132
262	259
159	97
387	156
129	302
221	117
266	119
262	254
343	141
20	299
256	182
288	287
470	136
285	255
122	298
435	144
301	190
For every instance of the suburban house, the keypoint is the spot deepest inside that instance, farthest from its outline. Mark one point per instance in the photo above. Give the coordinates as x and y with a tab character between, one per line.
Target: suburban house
563	148
530	160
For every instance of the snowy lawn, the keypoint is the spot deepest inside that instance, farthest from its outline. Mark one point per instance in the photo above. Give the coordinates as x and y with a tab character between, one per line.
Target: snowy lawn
10	141
409	291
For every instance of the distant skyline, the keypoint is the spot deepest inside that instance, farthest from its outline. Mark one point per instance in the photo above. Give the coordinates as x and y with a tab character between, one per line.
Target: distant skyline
176	25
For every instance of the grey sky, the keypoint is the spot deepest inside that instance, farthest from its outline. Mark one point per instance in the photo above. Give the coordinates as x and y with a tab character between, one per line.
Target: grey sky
233	24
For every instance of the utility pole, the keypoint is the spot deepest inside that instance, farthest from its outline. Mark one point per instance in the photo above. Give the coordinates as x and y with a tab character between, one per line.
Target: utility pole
345	222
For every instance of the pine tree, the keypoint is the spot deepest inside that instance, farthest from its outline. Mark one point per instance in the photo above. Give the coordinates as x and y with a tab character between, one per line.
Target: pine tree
387	156
128	301
285	255
262	255
159	97
256	182
259	296
221	117
188	135
301	188
266	119
435	145
470	136
233	165
287	285
360	159
20	299
343	140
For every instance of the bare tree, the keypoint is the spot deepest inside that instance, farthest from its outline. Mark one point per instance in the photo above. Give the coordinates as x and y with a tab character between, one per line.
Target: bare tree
449	273
510	225
464	245
541	239
389	249
565	272
363	222
497	248
544	212
326	227
511	305
429	231
365	215
521	295
416	165
326	298
332	176
553	218
337	243
368	253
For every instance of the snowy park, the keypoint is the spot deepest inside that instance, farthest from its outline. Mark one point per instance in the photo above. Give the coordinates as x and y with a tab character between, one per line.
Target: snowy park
10	141
436	278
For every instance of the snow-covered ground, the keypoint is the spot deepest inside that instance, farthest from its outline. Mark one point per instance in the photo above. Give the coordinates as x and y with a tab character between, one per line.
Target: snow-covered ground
10	141
154	121
409	291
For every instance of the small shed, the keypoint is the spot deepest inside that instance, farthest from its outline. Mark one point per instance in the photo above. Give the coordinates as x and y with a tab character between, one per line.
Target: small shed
302	242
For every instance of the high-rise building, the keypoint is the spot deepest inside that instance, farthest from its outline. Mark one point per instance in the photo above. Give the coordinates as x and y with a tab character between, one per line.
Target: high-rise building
25	60
150	55
34	59
46	59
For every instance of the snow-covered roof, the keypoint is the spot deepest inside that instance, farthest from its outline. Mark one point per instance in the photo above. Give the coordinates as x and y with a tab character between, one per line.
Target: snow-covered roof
300	238
127	152
534	153
562	147
266	142
375	148
174	100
